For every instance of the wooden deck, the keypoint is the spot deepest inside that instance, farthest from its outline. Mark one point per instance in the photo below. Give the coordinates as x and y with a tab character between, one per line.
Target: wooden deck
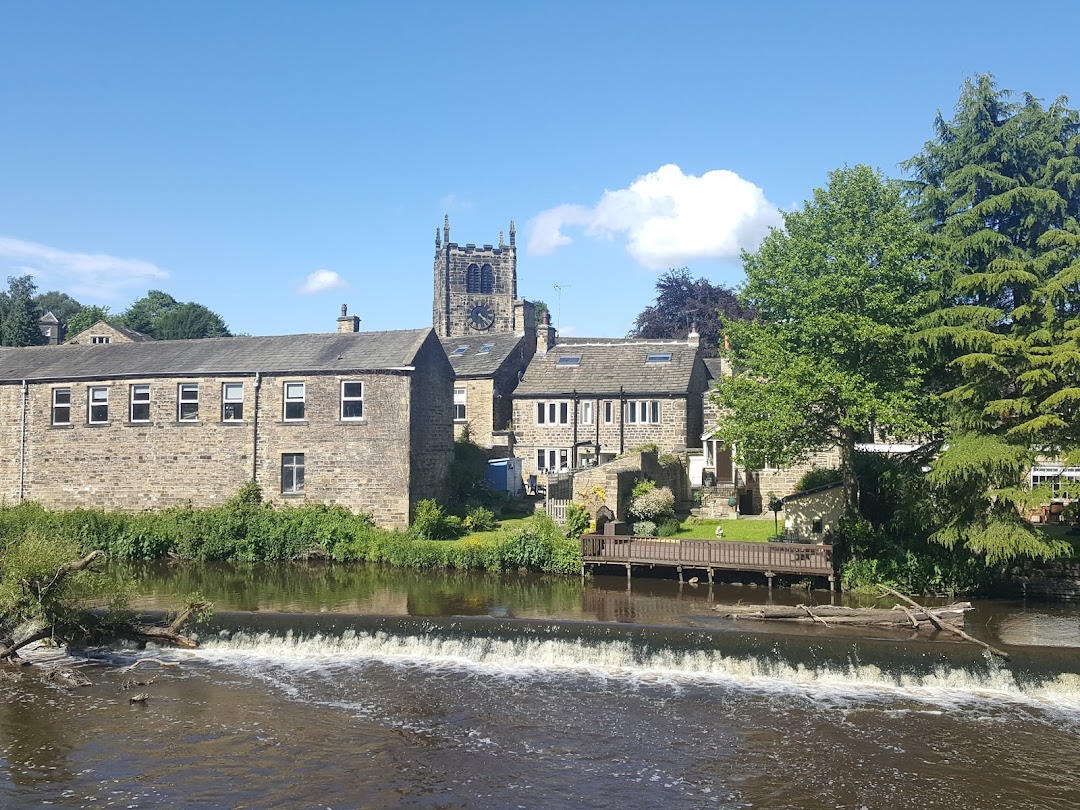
726	555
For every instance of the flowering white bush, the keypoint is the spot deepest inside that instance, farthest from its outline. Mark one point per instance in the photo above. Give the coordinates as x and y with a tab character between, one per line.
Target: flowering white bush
654	503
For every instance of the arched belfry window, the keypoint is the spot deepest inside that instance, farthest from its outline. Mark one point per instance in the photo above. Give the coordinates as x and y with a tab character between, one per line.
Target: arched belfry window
472	278
487	279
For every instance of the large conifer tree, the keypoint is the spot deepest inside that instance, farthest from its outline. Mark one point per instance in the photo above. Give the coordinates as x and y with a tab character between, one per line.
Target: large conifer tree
998	188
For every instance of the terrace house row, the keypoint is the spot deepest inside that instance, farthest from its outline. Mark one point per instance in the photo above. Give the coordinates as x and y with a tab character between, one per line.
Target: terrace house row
361	419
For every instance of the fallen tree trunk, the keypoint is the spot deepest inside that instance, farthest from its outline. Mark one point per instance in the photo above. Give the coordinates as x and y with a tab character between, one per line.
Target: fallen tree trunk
836	615
942	625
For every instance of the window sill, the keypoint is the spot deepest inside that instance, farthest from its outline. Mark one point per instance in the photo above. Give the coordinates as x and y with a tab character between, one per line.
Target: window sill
360	421
287	422
147	423
98	424
61	426
234	422
292	494
186	422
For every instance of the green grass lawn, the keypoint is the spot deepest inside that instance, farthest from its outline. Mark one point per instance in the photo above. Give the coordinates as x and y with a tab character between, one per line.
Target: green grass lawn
504	525
751	531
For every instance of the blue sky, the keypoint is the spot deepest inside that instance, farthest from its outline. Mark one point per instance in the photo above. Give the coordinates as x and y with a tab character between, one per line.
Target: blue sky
275	160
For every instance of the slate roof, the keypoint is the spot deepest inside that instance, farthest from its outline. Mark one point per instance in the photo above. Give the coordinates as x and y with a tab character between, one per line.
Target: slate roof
474	364
359	351
608	364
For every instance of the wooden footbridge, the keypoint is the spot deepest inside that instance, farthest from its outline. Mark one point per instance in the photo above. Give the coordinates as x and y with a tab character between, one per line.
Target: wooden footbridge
769	559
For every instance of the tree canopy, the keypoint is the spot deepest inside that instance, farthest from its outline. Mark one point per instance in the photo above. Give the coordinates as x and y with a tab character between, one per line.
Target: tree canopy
683	301
824	360
998	189
162	317
85	318
18	313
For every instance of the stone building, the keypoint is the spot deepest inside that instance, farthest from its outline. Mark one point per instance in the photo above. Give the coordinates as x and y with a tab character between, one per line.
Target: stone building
361	419
476	288
486	372
52	331
104	333
715	474
585	401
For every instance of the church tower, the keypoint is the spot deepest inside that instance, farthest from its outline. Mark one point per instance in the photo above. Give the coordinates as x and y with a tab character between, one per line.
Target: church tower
475	288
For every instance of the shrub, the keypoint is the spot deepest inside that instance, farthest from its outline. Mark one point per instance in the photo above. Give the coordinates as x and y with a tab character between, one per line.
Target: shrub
668	527
577	520
641	487
818	477
432	523
645	528
479	519
656	503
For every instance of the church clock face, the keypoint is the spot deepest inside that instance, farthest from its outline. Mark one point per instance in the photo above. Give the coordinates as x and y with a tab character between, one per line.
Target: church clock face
481	317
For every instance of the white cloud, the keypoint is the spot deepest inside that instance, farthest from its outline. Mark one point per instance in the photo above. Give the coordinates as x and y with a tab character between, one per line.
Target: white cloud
321	281
95	274
667	218
455	202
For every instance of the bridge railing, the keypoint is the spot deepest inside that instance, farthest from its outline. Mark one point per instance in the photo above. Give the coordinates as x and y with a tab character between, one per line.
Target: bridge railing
727	554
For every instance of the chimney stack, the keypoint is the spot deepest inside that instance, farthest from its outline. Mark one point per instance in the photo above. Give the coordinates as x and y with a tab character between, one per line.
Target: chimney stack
347	324
545	335
693	340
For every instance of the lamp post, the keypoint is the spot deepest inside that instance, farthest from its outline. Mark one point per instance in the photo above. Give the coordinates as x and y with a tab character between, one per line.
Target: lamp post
775	505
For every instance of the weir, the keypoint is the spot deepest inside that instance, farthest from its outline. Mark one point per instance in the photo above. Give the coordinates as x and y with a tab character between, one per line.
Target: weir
922	669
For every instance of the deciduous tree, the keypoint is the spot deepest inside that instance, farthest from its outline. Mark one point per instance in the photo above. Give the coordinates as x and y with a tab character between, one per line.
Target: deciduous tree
824	359
683	301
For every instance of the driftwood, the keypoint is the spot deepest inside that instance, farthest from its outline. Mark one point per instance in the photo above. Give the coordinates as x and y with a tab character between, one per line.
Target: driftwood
936	620
835	615
90	623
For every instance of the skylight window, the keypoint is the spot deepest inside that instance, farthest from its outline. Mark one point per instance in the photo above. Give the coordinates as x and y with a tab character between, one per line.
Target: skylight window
487	347
460	350
569	360
662	357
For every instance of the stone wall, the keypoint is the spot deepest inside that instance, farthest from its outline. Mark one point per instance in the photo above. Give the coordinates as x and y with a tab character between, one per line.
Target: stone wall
431	435
780	482
362	464
617	479
671	435
452	303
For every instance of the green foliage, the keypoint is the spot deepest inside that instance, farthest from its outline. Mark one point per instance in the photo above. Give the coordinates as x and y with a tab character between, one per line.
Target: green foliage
188	322
162	317
668	527
641	487
60	304
998	190
246	531
645	528
468	470
835	295
577	520
31	591
143	313
19	314
432	523
480	519
818	477
85	318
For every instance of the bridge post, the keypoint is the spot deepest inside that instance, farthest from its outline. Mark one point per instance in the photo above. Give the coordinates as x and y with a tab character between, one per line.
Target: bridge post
679	567
769	575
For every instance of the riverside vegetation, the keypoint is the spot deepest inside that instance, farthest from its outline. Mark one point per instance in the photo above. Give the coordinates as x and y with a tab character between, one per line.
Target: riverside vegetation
246	529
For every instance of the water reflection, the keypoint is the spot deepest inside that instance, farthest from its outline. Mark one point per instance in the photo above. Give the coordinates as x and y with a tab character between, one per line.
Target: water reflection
385	591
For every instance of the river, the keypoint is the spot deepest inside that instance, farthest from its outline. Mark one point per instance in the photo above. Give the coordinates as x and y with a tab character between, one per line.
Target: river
350	687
